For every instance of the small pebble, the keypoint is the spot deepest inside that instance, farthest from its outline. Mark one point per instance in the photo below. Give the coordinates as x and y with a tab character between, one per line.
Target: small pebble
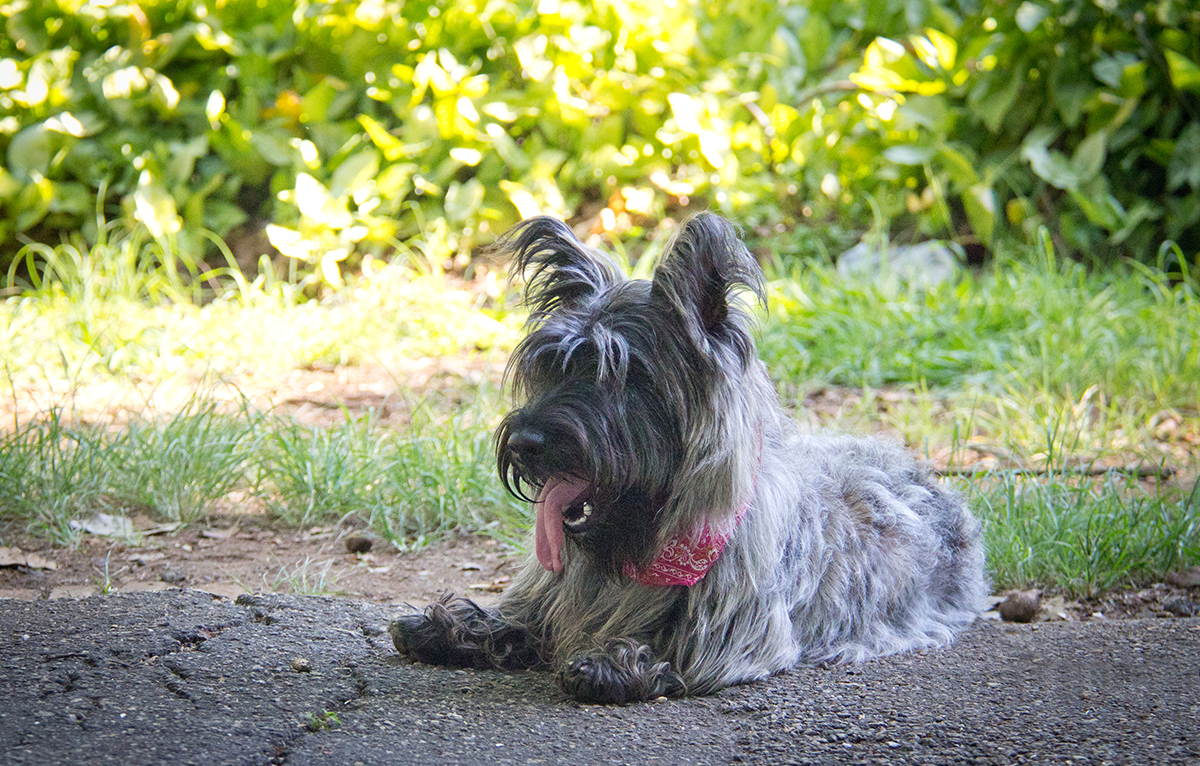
301	665
1180	608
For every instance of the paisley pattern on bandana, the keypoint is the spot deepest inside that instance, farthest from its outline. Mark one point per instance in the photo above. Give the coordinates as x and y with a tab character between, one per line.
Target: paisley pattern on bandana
687	557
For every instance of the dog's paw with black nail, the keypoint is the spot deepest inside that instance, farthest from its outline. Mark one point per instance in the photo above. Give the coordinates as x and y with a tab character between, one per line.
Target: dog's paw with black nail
623	671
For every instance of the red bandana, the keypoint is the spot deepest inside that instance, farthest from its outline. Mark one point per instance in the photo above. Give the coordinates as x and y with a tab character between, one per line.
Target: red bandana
687	557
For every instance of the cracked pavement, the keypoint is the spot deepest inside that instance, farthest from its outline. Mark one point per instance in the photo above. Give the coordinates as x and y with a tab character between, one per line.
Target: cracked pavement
182	677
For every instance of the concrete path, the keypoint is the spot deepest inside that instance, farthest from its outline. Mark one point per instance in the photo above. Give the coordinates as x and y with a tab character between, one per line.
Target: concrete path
182	677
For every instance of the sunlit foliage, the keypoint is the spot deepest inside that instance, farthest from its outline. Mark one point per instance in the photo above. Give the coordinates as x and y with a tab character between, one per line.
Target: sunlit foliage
355	128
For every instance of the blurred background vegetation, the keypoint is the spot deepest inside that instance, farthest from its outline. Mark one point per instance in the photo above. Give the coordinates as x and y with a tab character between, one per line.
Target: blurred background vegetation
326	133
181	178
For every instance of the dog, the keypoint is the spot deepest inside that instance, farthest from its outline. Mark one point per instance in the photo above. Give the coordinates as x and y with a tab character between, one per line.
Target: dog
686	536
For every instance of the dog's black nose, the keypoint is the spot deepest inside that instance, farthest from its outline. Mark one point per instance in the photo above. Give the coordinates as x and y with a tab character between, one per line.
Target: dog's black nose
527	443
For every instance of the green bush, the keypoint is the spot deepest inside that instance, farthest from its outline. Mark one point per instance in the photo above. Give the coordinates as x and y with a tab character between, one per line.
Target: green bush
366	128
1080	115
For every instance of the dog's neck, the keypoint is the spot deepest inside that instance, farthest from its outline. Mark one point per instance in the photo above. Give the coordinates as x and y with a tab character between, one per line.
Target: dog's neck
688	556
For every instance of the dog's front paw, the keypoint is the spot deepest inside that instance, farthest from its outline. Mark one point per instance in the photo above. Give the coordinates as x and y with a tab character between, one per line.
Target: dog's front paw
460	633
405	632
623	671
432	638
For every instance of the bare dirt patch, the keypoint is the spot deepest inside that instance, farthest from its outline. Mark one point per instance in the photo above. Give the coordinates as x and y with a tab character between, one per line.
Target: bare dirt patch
235	554
317	395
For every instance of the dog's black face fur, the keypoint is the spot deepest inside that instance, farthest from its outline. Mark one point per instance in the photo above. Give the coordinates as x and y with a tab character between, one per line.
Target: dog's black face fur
614	372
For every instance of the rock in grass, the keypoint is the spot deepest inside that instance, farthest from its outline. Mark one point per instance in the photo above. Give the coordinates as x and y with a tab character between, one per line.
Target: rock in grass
1188	578
1020	606
1181	607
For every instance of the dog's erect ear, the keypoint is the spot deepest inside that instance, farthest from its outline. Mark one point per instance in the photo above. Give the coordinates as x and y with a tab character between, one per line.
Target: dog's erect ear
559	270
704	264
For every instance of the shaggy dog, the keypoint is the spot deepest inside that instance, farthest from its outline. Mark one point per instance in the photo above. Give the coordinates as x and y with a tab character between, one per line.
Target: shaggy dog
687	537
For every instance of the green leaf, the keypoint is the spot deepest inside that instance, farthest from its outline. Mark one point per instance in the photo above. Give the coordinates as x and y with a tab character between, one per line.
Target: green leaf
1133	80
816	37
927	111
980	203
507	148
315	103
1047	164
462	200
1185	75
274	147
357	170
72	198
786	47
1089	156
993	103
290	242
9	186
1110	69
1099	205
155	207
316	203
962	171
909	154
31	151
32	204
1030	15
392	147
184	155
394	183
1184	167
221	216
79	126
1069	100
214	107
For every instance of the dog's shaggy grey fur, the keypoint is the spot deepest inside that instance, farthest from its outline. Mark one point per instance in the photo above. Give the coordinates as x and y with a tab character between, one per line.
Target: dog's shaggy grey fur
645	412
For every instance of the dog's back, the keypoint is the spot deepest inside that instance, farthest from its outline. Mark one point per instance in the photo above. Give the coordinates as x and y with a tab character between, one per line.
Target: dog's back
886	558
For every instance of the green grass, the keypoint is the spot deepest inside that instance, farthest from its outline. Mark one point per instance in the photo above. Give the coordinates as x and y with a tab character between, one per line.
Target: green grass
1052	368
995	356
180	466
305	578
1072	524
1085	537
50	475
411	486
1015	327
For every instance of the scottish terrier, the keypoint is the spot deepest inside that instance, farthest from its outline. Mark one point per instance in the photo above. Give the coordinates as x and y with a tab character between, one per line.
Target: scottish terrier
686	536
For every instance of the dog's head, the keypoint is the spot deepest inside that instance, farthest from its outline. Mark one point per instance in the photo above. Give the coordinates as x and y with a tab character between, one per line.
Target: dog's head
625	388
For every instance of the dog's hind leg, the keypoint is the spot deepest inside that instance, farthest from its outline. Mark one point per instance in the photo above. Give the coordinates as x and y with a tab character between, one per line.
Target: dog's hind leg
460	633
622	671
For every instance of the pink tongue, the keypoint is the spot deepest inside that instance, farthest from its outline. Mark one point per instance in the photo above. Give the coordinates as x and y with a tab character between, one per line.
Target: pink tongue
553	498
